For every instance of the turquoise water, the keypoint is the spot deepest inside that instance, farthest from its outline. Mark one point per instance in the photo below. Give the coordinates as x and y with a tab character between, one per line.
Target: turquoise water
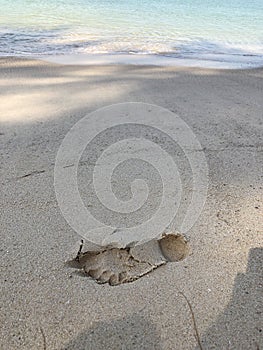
227	30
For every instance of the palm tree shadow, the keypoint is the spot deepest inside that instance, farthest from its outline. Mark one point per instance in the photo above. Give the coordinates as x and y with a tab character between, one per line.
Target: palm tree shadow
131	332
240	326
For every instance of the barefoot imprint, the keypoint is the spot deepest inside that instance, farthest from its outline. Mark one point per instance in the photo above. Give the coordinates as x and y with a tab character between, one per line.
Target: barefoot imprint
121	265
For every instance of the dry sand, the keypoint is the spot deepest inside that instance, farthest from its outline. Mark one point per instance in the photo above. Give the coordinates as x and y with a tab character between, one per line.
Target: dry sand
44	305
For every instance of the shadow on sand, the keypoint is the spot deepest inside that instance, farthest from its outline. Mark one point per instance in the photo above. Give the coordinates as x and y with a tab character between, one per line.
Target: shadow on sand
240	326
131	332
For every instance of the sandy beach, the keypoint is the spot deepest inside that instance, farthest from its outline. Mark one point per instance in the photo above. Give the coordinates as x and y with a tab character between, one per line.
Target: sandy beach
47	305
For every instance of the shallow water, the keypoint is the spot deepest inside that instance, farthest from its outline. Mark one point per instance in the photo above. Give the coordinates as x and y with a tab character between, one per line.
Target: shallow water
205	30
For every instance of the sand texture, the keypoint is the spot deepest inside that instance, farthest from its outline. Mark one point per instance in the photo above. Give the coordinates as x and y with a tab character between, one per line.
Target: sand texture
211	299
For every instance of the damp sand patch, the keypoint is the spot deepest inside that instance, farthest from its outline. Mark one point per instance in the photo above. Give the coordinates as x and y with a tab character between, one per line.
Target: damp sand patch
122	265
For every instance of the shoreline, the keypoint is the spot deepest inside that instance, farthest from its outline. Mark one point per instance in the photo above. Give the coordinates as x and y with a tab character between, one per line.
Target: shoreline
243	62
204	62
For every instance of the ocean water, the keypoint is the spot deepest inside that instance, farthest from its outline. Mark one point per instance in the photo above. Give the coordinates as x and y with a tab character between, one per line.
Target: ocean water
229	32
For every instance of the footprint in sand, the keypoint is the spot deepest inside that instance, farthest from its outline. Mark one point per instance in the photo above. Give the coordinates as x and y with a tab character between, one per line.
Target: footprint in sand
121	265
